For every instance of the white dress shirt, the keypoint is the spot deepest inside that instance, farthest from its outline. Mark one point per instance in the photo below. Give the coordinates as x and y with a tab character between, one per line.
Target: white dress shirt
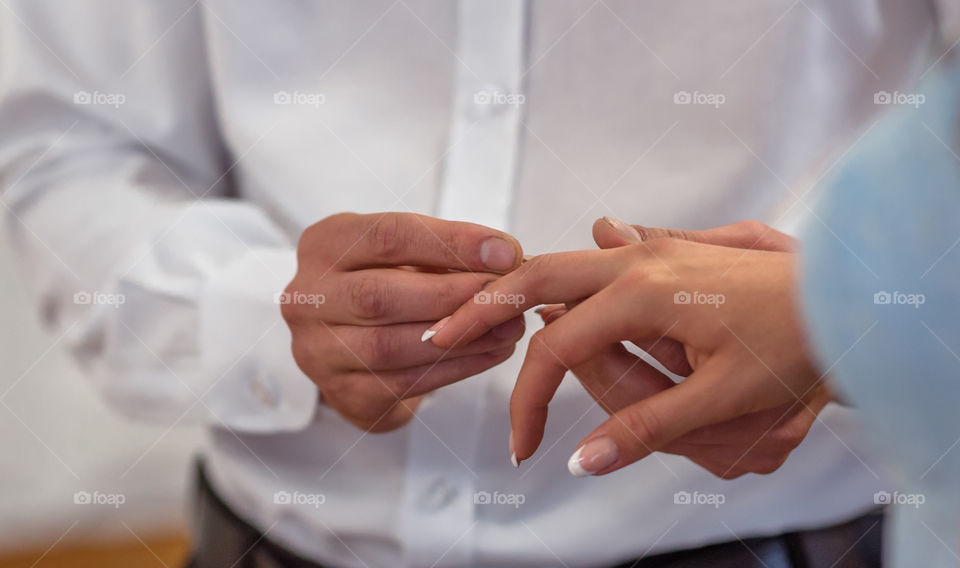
534	117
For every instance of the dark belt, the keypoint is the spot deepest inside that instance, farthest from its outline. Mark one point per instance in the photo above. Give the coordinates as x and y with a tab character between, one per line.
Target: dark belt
224	540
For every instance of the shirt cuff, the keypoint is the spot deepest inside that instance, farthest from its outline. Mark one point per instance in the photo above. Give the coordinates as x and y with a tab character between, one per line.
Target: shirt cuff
256	384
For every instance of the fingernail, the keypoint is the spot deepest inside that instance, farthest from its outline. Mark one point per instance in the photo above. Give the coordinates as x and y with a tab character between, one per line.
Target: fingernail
513	453
592	457
434	329
498	254
625	230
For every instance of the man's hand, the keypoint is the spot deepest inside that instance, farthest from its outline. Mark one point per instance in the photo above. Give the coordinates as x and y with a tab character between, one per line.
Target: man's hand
723	315
385	278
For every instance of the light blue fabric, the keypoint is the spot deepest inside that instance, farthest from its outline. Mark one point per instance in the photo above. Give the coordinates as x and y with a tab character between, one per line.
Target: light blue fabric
889	221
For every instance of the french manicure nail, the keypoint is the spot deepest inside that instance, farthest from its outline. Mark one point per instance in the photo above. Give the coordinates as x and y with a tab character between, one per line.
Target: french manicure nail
513	453
592	457
434	329
625	230
498	254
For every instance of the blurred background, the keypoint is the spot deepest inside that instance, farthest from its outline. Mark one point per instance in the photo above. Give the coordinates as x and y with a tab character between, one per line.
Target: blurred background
81	485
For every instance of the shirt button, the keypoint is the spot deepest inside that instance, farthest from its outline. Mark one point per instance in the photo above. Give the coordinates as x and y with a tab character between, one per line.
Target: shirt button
438	494
264	390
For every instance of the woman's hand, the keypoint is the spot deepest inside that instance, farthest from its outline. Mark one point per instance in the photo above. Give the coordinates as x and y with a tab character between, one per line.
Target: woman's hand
753	443
758	442
752	392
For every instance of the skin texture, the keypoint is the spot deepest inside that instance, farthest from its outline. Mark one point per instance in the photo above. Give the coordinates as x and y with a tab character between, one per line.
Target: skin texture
751	393
386	278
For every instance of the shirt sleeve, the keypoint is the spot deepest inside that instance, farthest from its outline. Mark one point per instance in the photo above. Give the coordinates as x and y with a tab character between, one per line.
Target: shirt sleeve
117	193
879	297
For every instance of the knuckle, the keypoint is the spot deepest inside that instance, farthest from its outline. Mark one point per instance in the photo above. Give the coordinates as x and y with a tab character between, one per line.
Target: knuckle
315	236
338	219
451	295
341	393
671	233
396	386
752	227
663	246
305	246
313	233
767	464
651	234
370	298
504	354
387	236
631	279
288	310
643	422
304	356
651	278
787	438
317	232
542	347
379	347
532	272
